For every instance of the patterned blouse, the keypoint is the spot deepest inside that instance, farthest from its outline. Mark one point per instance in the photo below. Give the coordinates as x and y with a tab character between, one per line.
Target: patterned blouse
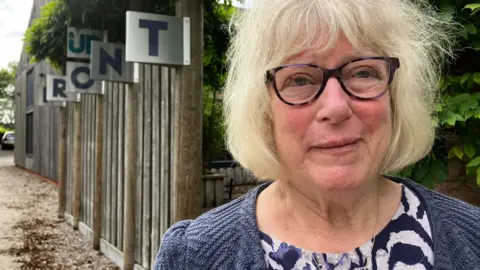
405	243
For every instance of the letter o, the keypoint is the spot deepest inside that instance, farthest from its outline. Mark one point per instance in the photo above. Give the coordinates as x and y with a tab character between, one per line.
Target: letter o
76	83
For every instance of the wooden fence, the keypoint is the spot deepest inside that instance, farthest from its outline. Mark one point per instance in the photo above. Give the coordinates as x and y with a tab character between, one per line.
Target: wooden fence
153	140
153	143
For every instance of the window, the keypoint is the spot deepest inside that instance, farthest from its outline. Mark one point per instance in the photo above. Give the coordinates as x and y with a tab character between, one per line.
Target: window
30	88
29	133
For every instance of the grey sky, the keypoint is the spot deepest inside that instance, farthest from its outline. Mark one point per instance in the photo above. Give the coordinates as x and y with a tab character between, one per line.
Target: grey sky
14	16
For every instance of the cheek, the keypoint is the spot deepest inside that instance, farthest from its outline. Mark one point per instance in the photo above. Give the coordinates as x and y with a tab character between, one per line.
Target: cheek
376	119
290	123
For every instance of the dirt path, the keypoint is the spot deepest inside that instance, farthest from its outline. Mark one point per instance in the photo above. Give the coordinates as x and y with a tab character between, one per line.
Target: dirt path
10	214
31	235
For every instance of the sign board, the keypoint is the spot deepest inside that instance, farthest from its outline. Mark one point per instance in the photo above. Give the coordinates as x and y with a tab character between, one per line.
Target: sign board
79	81
56	89
79	42
42	101
108	63
157	39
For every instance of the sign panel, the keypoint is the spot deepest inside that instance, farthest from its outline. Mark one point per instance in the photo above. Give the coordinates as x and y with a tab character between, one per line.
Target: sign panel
108	63
157	39
56	89
79	81
42	99
79	42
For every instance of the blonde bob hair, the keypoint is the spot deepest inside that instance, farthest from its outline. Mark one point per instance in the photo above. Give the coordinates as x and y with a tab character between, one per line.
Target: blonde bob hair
268	32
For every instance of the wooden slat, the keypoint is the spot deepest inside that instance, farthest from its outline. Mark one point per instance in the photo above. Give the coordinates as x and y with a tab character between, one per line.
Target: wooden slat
93	158
237	175
209	193
68	191
165	134
147	152
77	181
156	141
108	168
87	158
62	165
104	165
98	186
120	161
139	163
219	191
84	161
113	213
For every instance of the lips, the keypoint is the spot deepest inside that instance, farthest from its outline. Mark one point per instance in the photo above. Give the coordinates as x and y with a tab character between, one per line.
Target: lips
337	142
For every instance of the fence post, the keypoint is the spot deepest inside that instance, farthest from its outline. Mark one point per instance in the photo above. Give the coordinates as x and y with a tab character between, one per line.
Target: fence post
62	161
97	196
77	163
187	115
97	200
131	97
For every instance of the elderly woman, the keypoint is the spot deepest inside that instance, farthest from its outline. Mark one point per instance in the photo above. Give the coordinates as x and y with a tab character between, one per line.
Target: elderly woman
323	99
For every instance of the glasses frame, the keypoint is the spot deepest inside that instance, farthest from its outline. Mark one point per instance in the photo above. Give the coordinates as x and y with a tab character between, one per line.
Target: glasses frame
393	62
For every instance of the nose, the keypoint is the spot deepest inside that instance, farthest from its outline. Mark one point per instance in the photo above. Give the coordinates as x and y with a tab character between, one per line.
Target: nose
333	103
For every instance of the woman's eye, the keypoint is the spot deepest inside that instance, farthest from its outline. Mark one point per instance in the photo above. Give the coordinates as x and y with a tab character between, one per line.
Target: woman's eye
298	81
363	74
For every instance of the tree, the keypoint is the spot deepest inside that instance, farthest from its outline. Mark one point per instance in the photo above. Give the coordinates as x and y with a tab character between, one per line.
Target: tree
7	80
46	38
458	112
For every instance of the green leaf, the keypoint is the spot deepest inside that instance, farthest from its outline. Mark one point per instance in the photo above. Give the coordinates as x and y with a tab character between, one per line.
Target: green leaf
438	107
468	105
458	152
419	174
429	180
451	153
474	162
452	118
476	77
464	78
471	29
444	83
478	177
469	150
459	98
470	171
439	170
464	34
473	7
448	9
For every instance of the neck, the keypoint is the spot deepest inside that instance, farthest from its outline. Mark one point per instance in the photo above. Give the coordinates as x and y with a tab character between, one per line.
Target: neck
326	221
336	212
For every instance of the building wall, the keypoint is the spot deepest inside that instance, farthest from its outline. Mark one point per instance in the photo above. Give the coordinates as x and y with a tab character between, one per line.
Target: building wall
36	125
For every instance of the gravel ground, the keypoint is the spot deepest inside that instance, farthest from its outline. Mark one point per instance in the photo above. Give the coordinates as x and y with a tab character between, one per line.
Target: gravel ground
31	235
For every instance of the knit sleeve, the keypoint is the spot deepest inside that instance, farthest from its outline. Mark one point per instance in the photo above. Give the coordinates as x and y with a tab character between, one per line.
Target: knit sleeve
173	249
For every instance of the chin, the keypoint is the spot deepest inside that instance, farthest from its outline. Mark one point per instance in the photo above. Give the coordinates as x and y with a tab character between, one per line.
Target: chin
342	178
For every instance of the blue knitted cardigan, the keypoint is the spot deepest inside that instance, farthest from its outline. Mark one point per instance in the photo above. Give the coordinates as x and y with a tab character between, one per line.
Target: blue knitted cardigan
227	237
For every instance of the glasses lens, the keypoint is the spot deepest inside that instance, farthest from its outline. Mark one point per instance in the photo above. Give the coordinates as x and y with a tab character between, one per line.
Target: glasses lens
366	78
299	83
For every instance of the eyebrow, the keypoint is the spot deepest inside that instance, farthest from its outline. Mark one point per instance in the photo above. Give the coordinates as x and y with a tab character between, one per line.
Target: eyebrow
313	59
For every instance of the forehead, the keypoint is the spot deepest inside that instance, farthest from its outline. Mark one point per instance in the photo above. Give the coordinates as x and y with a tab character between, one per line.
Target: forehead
340	51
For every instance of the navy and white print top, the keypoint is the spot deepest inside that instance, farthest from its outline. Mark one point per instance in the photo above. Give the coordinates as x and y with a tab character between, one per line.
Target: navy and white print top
405	243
